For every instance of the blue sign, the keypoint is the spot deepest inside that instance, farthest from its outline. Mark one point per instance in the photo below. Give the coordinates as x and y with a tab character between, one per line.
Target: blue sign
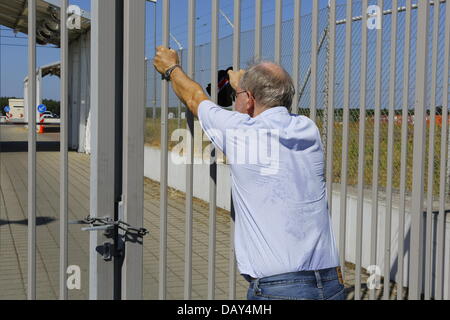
42	108
7	109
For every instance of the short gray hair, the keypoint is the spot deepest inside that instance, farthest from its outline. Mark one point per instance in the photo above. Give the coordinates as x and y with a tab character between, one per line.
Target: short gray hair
270	84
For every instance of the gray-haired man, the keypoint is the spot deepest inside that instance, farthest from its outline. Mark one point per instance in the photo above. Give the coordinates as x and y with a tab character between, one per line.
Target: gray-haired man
284	241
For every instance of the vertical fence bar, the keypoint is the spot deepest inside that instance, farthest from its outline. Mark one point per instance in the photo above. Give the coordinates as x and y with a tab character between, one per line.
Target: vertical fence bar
133	144
154	71
213	165
331	98
415	275
102	188
390	152
296	53
64	156
190	158
440	254
432	119
376	142
404	150
258	30
314	59
278	31
31	149
361	155
345	133
164	161
236	67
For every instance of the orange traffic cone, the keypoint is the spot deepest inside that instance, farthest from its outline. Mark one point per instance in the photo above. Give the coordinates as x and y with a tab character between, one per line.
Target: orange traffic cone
41	129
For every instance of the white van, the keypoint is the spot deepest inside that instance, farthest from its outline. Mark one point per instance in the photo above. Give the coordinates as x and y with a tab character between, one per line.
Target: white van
17	110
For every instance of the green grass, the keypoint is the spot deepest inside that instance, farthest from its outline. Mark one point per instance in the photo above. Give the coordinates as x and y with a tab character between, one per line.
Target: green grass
153	138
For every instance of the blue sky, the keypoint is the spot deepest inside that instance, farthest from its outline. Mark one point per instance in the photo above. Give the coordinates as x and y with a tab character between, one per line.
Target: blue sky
14	47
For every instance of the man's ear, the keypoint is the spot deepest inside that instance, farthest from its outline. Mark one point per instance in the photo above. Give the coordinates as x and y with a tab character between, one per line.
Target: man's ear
250	107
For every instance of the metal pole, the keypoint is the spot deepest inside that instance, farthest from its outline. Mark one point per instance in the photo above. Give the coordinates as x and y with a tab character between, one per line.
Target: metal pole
361	155
133	144
32	150
258	28
440	274
179	104
376	141
213	166
190	158
278	29
154	71
103	82
164	163
314	59
431	150
390	153
404	151
296	54
236	66
345	137
331	99
64	147
415	283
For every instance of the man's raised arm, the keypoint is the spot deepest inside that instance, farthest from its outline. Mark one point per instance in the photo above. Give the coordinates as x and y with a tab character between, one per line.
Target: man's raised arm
186	89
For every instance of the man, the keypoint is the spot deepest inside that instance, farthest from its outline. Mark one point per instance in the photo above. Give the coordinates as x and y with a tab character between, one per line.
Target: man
284	241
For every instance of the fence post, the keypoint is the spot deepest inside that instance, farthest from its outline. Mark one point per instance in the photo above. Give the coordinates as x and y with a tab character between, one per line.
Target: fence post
330	107
213	163
258	30
314	59
296	54
376	143
189	157
236	67
133	144
415	276
404	150
31	150
361	155
278	30
164	162
64	195
103	83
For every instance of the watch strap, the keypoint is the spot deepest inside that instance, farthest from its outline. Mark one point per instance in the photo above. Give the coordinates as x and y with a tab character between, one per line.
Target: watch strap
167	74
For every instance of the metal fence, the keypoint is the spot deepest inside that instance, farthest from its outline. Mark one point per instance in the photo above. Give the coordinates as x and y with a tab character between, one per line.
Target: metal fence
358	79
360	86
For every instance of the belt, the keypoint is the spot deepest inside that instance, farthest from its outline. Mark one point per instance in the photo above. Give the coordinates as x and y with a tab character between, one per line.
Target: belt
312	273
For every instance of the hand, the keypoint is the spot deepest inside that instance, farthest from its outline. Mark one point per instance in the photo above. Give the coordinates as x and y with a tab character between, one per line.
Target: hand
165	59
235	77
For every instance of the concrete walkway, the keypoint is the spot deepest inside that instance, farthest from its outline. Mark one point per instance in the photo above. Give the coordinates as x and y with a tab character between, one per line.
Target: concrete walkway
13	234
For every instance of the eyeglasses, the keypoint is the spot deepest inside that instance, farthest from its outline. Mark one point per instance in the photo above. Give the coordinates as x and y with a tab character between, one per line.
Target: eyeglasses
238	93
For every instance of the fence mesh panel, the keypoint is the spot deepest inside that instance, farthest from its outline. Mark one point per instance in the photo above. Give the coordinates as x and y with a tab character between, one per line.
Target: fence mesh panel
203	76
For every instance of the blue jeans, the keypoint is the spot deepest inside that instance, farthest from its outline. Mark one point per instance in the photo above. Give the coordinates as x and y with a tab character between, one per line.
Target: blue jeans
324	284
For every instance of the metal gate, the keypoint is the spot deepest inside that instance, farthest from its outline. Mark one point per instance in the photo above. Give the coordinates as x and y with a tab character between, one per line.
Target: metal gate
419	88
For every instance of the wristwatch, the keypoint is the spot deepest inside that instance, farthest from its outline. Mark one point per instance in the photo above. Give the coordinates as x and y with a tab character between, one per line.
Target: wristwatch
166	75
